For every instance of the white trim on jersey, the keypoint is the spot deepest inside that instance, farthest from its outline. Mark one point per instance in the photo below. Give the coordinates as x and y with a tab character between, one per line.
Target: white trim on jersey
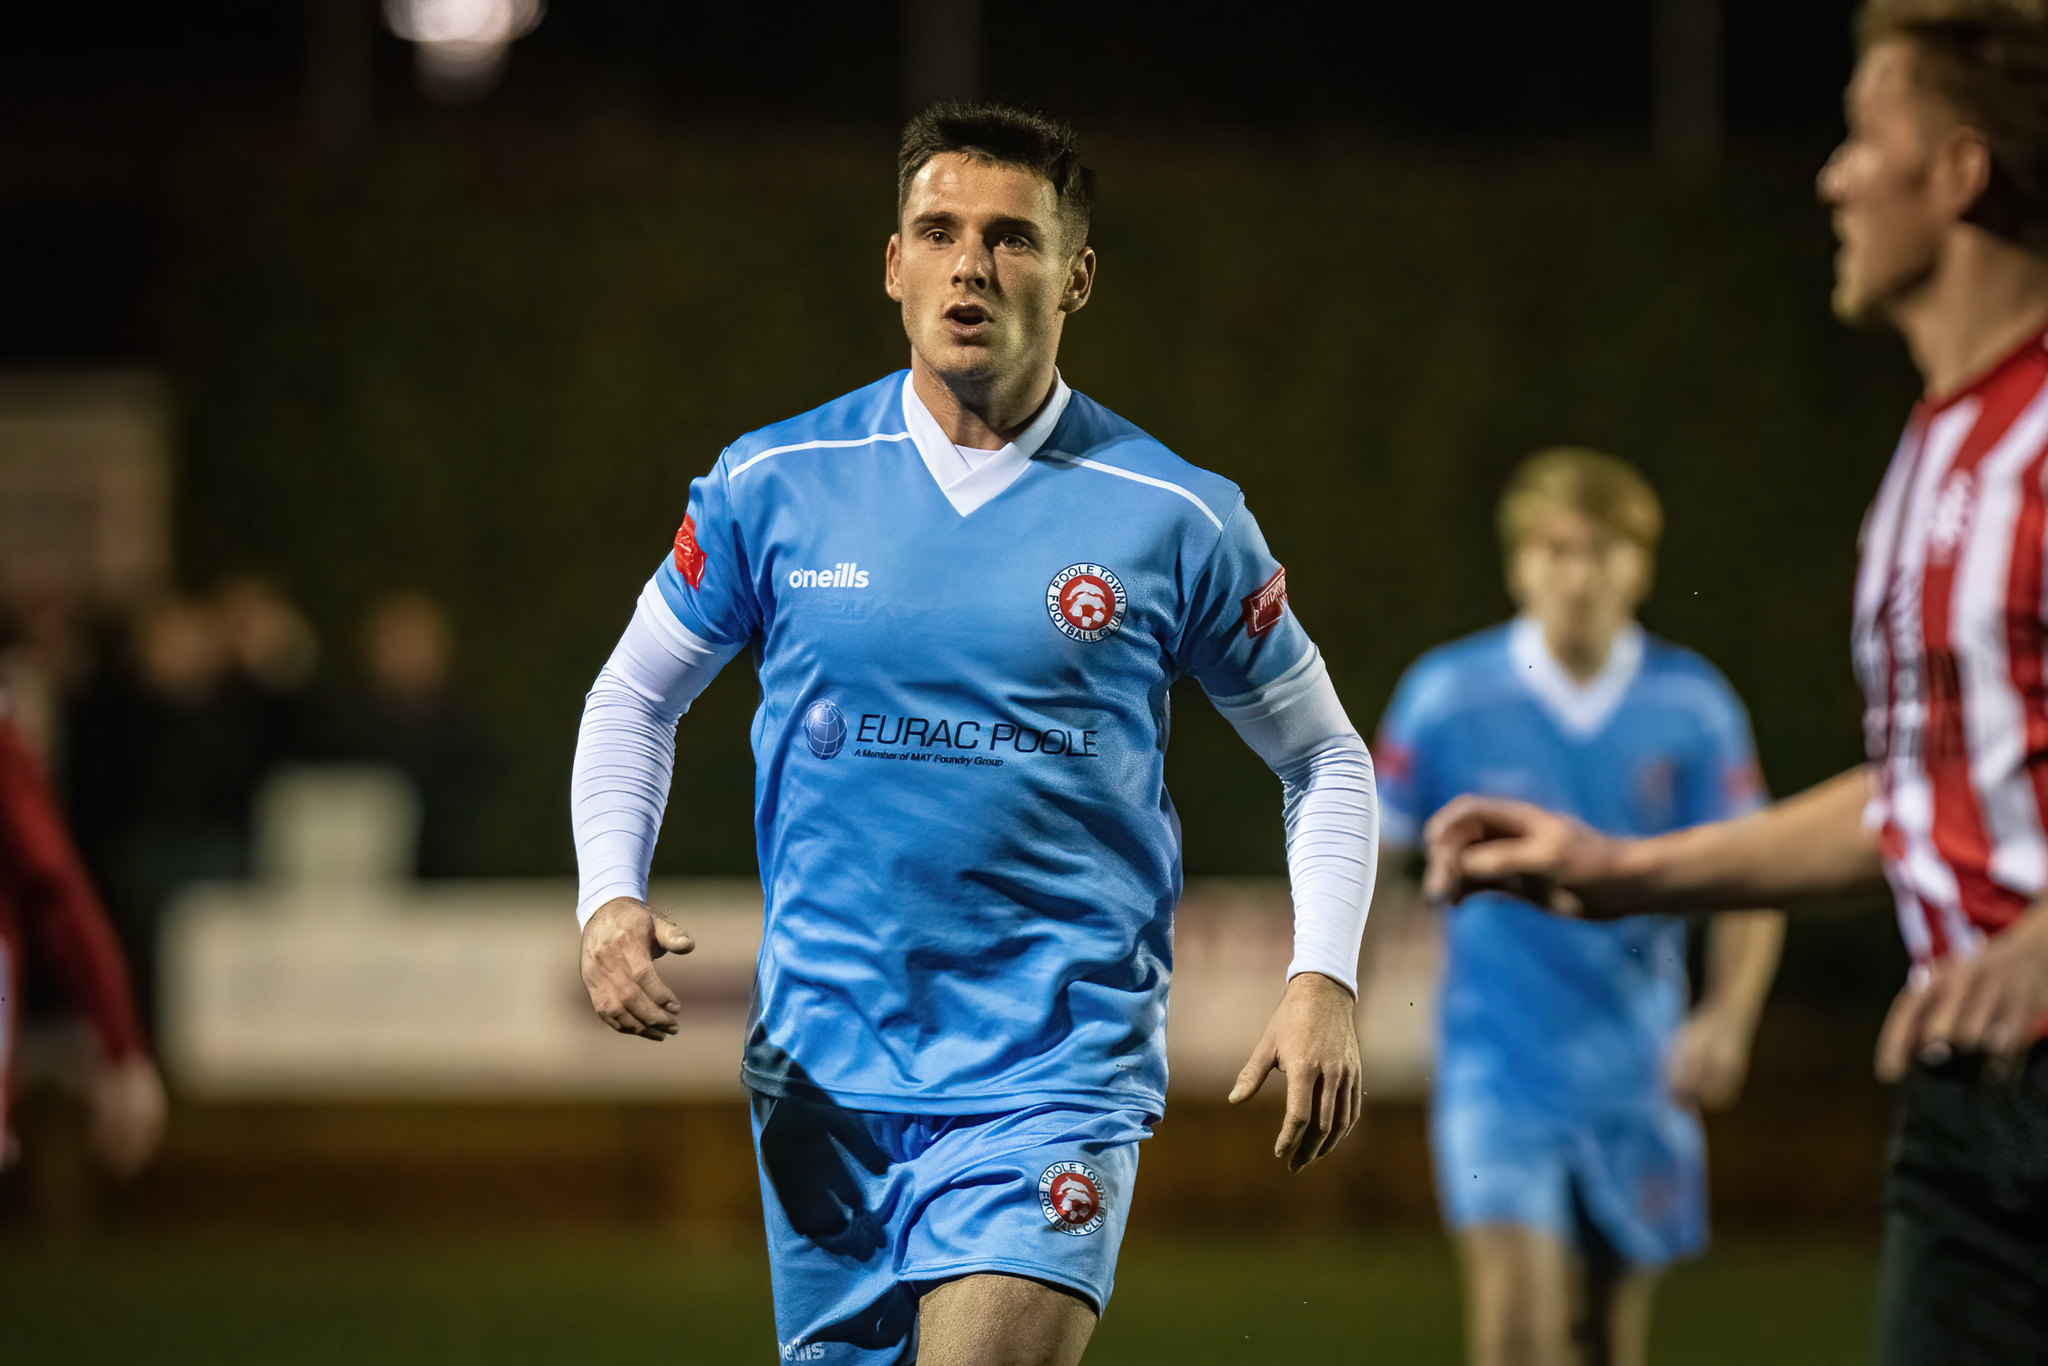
968	487
1581	708
759	456
1086	463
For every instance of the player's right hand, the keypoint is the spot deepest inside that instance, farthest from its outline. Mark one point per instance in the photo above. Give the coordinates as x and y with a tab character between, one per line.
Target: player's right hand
1478	844
620	943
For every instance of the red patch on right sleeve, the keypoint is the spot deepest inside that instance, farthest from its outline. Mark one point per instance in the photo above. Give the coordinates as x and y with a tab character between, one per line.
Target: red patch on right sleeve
689	555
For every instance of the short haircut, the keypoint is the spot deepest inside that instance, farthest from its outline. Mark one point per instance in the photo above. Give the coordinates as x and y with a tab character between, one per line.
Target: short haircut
1988	61
1608	491
1002	136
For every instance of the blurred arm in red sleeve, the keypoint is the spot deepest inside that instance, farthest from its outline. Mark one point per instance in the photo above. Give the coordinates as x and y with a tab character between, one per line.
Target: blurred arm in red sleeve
45	891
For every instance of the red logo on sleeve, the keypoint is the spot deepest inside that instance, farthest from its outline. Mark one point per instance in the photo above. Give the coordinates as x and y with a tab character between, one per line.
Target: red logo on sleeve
689	555
1263	609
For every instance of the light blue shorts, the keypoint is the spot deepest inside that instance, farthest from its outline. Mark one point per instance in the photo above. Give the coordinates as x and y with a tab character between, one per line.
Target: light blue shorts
1635	1179
867	1210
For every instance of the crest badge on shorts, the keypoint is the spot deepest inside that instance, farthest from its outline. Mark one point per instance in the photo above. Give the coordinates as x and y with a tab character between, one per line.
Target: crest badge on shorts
1086	601
1070	1194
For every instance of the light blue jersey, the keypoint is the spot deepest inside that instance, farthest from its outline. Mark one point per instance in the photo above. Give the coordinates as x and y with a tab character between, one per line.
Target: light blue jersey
1553	1033
969	857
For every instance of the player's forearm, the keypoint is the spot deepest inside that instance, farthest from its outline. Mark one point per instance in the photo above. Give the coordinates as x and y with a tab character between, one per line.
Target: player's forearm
625	751
1299	727
1742	958
1332	823
1807	848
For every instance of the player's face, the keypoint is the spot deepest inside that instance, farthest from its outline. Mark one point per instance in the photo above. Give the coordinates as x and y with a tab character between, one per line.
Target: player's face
1576	578
1888	209
983	268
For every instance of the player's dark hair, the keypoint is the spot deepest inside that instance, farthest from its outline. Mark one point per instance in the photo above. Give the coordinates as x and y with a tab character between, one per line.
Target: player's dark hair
1003	136
1988	61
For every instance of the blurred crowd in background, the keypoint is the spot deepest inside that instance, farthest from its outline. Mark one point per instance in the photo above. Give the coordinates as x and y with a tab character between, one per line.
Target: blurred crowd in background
161	725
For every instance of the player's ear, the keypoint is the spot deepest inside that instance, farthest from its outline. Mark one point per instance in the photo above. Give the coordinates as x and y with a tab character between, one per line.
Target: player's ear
1963	171
1080	281
892	255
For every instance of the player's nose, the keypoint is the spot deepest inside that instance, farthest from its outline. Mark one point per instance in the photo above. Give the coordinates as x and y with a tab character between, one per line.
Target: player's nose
972	266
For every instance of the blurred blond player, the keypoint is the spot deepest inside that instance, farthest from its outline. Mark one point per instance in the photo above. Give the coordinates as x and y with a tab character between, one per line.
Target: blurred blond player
1939	196
1569	1160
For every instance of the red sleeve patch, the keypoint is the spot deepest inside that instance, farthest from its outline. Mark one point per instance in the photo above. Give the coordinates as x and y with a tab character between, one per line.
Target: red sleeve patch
689	555
1263	609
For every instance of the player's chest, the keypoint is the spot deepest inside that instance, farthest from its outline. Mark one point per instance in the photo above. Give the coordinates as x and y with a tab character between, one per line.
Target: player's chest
896	575
1628	777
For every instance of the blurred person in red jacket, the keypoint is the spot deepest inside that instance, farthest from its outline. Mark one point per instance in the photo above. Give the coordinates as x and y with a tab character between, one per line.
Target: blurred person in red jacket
50	915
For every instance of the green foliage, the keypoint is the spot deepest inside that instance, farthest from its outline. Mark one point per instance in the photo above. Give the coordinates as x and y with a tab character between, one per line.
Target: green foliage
490	367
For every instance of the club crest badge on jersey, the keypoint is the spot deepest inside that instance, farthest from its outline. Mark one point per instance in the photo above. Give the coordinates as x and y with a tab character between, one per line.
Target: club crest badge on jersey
1263	609
1086	602
1070	1193
689	555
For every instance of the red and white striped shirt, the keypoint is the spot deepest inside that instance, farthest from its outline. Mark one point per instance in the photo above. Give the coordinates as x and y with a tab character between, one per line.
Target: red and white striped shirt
1950	643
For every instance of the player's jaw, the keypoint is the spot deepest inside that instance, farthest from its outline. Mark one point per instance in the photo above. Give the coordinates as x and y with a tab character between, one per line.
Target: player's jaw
1879	191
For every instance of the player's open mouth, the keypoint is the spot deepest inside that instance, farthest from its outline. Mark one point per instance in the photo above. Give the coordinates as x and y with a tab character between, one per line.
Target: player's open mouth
966	320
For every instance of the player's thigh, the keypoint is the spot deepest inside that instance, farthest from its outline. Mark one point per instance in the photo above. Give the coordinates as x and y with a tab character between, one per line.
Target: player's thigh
995	1320
1521	1289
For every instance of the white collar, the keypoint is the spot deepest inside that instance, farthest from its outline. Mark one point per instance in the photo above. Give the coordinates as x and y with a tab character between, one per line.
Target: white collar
969	490
1581	708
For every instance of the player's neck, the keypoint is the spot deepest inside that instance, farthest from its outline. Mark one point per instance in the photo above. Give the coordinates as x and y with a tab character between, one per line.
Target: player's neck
983	414
1984	301
1582	658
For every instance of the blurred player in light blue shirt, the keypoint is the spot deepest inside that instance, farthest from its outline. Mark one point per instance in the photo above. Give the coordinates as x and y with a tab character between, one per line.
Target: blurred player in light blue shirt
1569	1158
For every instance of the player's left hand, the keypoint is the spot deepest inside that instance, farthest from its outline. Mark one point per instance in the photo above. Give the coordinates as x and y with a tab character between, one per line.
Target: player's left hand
1710	1058
1313	1039
1993	1003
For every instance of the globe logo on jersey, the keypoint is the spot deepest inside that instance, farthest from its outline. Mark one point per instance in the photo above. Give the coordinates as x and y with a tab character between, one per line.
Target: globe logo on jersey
1070	1194
1086	602
825	728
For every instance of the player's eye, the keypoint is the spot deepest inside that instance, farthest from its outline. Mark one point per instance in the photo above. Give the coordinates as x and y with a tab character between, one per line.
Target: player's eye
935	236
1013	242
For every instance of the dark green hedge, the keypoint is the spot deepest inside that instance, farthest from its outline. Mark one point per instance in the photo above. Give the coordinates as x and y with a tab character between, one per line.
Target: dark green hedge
489	366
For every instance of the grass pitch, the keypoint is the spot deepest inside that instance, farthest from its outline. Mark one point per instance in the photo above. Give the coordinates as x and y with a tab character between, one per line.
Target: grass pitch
1390	1300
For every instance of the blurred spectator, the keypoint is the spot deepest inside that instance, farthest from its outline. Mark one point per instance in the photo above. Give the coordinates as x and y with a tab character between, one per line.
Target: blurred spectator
415	723
51	920
166	754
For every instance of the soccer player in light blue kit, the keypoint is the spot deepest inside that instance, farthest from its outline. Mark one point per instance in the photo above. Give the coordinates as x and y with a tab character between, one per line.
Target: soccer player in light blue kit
1569	1159
968	591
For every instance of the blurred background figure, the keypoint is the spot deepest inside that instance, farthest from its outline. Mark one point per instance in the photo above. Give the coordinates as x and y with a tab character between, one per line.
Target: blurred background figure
1570	1162
170	740
52	926
412	720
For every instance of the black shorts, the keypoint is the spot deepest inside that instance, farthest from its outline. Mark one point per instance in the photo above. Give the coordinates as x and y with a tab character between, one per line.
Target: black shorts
1965	1280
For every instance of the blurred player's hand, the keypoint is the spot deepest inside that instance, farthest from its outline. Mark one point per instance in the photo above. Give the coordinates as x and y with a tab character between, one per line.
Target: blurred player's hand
620	943
1313	1039
127	1115
1478	844
1994	1003
1710	1058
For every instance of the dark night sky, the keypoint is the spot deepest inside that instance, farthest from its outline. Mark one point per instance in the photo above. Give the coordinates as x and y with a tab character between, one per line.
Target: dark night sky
97	97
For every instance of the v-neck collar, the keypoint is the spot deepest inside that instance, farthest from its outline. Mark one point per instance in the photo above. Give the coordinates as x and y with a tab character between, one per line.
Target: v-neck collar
1581	708
968	489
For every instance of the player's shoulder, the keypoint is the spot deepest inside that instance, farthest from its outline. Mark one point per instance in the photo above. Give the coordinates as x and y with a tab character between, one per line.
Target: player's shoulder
1092	438
871	413
1459	675
1677	676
